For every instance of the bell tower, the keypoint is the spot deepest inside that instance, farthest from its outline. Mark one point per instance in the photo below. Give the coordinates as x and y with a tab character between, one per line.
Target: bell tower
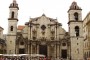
75	25
13	18
12	27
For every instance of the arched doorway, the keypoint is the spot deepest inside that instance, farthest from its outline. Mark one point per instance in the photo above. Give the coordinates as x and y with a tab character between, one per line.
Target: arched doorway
21	51
43	49
64	53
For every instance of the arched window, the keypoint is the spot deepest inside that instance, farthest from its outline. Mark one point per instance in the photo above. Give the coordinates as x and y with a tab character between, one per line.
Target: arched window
13	4
77	30
75	7
76	16
11	28
12	15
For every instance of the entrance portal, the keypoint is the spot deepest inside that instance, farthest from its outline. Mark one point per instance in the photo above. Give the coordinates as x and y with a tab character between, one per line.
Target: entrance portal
21	51
43	49
64	54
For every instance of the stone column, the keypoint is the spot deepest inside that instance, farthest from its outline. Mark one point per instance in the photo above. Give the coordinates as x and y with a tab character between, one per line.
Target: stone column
28	48
37	49
55	51
48	51
31	49
17	49
58	52
29	33
52	50
69	52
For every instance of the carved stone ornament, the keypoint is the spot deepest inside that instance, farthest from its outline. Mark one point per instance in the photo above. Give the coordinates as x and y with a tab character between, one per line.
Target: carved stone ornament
43	27
34	30
52	31
52	45
43	32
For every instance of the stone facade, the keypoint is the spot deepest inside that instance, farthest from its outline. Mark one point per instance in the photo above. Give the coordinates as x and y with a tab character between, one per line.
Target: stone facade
76	31
12	28
45	35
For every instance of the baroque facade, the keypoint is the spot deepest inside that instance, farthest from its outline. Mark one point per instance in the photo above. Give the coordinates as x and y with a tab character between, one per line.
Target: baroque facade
45	35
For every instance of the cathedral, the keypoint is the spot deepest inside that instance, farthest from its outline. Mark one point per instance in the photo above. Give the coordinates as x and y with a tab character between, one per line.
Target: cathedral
45	35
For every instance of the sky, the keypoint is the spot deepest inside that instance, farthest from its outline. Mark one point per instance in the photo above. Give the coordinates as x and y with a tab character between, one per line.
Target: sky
35	8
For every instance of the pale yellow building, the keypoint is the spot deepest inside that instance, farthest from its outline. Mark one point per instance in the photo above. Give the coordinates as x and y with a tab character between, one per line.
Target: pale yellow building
86	29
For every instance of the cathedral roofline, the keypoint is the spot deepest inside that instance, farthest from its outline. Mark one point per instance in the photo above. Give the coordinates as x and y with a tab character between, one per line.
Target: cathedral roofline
86	15
26	23
1	28
43	14
36	18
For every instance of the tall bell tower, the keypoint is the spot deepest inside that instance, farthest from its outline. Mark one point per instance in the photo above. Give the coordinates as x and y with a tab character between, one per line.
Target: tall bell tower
76	31
12	27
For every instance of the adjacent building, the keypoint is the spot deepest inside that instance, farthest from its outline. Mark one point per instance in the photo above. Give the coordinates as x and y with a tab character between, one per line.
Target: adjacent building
86	29
2	42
